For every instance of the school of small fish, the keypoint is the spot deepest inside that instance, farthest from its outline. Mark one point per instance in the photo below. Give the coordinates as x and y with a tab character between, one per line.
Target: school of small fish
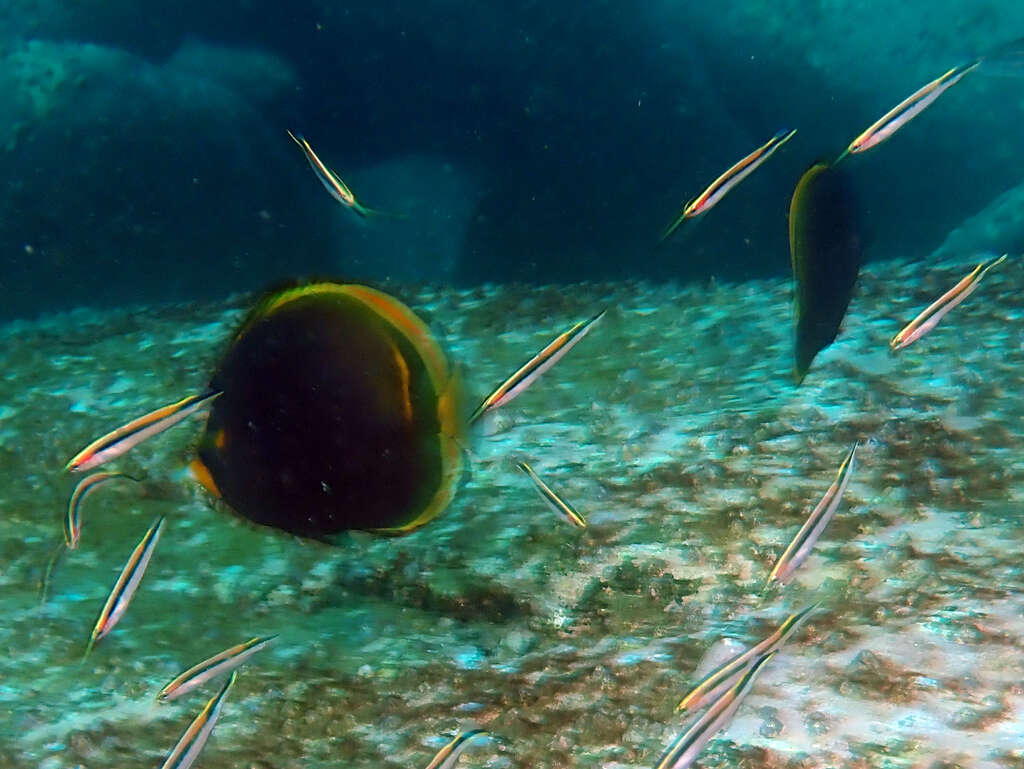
715	698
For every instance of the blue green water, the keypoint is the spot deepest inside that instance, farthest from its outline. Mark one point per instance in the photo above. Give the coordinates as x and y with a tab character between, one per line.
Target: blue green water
146	159
528	158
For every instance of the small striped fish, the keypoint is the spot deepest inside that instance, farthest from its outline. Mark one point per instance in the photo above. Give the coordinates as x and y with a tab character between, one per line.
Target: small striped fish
685	749
936	311
126	437
555	502
528	373
334	184
798	550
721	186
73	519
449	754
725	675
126	585
907	110
194	739
225	661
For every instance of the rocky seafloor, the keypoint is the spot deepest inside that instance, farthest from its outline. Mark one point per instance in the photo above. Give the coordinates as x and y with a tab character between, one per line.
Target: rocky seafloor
674	427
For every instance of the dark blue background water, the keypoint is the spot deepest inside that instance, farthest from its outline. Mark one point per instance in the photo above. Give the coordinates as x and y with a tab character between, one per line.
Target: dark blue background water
144	154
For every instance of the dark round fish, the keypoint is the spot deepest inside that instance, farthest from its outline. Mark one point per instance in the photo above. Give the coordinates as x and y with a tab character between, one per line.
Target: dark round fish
337	412
824	242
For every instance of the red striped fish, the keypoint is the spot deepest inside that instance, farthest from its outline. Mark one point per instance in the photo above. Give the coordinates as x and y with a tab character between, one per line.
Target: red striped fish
449	754
225	661
127	437
798	550
192	742
929	318
529	372
126	585
721	186
73	519
907	110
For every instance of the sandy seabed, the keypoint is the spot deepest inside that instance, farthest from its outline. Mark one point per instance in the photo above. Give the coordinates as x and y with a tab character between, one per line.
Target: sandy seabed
674	427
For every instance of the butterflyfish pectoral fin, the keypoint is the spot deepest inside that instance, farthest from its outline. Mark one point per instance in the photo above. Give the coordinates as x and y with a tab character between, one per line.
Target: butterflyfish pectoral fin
201	475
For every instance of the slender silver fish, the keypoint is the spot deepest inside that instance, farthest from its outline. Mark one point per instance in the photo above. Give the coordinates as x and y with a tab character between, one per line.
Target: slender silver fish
805	539
126	585
736	173
528	373
936	311
449	754
334	184
555	502
687	746
907	110
221	663
194	739
73	519
725	675
126	437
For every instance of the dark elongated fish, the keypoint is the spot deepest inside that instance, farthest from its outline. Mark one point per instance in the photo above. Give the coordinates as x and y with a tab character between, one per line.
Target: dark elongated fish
907	110
735	174
931	315
530	371
824	244
192	742
126	437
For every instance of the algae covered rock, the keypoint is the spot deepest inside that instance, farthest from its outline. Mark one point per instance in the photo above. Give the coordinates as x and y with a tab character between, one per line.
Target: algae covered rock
997	228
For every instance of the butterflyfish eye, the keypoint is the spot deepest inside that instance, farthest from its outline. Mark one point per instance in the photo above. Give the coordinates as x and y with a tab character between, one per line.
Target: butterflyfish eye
337	412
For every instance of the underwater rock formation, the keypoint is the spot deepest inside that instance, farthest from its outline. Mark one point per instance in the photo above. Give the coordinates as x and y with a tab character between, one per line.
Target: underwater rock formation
694	461
128	178
997	228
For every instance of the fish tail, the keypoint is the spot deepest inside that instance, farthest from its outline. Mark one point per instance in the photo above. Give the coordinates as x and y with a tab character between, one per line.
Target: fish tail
376	213
770	586
44	585
673	228
88	648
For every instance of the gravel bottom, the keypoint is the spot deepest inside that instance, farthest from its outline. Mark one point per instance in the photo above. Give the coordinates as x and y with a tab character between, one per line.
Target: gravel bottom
674	427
